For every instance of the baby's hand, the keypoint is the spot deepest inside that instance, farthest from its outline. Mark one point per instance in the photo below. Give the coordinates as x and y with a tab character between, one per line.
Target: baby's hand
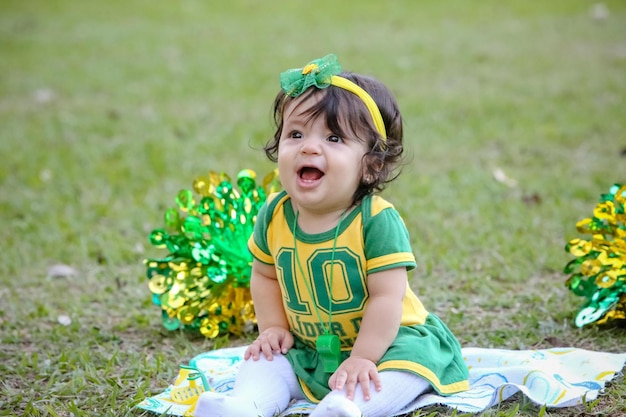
270	341
352	371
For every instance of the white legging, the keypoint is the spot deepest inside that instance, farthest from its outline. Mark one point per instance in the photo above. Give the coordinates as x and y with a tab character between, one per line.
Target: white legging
265	388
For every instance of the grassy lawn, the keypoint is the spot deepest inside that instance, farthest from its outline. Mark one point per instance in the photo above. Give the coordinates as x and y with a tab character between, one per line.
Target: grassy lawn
107	109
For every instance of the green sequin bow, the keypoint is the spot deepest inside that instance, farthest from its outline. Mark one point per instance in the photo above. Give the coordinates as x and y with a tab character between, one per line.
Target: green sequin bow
316	73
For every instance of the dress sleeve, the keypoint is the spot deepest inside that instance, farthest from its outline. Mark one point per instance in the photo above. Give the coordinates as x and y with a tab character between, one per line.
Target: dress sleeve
257	243
387	242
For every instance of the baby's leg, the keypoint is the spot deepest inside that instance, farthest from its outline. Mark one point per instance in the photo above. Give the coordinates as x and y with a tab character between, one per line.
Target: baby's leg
398	390
262	388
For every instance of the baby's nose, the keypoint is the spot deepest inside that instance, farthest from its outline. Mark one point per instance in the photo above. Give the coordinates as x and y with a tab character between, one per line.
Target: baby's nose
310	145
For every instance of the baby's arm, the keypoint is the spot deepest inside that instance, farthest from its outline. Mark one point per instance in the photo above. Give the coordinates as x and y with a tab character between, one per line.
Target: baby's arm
274	335
379	328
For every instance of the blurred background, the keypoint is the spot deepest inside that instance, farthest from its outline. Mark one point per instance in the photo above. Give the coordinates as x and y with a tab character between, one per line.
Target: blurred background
514	127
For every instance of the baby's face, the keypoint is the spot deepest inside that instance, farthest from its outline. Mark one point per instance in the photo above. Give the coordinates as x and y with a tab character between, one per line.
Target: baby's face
319	169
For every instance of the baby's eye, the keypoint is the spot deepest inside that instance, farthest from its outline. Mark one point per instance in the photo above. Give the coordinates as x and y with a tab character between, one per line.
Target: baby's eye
295	135
334	138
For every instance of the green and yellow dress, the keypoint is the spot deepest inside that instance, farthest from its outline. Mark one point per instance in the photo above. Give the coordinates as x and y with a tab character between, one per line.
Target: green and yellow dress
372	238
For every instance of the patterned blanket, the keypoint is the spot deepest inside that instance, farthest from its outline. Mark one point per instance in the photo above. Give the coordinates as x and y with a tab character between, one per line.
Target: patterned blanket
558	377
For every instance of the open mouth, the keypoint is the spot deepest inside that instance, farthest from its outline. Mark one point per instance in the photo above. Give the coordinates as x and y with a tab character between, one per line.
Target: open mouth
310	174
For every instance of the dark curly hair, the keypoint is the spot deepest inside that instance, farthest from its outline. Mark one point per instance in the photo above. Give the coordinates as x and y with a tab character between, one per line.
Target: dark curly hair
344	110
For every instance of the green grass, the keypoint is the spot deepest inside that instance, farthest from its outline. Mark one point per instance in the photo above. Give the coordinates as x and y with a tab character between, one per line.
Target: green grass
107	109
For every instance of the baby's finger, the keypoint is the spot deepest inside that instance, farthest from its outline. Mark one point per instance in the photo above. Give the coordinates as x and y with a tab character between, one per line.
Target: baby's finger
331	382
351	382
364	380
252	351
274	343
267	350
375	378
338	380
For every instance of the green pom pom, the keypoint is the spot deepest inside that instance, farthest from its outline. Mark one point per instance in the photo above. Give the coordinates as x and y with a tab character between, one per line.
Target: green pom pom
203	282
599	271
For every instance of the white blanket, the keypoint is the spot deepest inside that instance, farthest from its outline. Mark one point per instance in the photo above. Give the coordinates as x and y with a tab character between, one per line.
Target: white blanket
559	377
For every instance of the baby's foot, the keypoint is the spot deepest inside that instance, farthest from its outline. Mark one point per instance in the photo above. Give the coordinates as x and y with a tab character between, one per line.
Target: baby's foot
336	406
213	404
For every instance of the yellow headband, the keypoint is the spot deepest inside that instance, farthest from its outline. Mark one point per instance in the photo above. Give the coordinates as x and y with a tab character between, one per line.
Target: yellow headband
367	100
